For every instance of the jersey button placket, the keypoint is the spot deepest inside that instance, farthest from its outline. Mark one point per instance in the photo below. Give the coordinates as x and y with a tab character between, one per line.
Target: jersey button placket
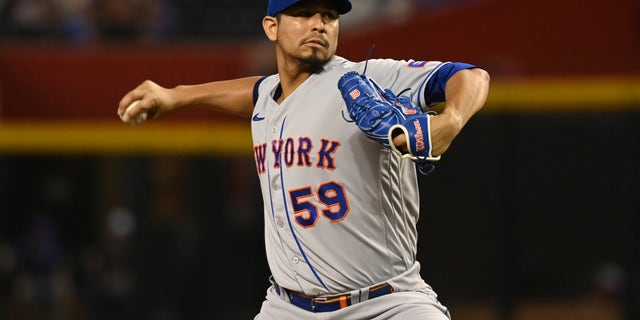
279	207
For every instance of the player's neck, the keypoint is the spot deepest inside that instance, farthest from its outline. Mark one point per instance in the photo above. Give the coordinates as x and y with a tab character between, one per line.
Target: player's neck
289	85
290	79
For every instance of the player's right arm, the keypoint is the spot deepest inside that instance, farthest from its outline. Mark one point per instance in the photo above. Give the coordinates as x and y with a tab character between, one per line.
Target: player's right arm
230	96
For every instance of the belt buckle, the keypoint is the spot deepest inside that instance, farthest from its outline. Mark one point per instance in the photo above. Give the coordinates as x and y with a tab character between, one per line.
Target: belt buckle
337	302
343	300
317	299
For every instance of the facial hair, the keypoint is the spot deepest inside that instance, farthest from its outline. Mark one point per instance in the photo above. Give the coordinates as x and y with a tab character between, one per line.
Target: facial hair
314	61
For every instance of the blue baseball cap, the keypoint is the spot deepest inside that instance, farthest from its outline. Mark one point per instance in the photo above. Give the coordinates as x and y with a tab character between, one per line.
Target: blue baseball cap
277	6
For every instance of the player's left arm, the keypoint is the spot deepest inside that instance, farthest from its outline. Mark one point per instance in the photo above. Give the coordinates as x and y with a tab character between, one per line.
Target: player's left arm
464	92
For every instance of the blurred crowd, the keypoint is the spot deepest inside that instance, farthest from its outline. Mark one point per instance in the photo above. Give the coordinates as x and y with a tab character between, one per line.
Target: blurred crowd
90	240
89	21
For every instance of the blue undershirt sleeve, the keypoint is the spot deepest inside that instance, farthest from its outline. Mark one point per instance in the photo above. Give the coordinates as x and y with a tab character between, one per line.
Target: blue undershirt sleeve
434	90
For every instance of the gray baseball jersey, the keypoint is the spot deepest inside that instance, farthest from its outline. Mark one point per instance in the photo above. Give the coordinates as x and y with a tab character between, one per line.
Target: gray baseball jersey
340	210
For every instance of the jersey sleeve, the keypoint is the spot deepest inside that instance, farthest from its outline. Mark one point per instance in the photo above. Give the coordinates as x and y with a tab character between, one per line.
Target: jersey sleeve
423	81
434	88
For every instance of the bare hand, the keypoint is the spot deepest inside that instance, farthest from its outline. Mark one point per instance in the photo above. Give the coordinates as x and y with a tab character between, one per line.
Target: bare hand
147	101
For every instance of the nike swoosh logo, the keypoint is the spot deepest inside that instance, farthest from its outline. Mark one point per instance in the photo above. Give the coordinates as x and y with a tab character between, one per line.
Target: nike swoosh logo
257	117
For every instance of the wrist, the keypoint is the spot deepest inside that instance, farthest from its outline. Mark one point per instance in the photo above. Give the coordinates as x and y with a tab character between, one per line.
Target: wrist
178	97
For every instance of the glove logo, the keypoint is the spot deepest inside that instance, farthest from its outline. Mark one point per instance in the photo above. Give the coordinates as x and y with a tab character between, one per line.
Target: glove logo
408	111
354	94
419	136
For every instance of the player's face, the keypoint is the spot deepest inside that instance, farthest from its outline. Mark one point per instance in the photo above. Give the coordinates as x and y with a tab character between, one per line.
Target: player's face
308	32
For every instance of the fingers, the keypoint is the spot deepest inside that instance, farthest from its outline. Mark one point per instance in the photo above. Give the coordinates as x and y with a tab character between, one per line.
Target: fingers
129	98
133	114
134	106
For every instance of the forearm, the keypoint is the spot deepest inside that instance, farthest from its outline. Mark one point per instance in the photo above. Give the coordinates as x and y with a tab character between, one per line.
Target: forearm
230	96
465	94
154	101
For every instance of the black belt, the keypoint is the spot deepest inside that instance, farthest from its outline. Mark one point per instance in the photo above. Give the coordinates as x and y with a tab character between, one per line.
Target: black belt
331	303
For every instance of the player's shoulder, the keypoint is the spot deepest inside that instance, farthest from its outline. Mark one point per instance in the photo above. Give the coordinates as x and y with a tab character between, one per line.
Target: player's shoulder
383	65
267	82
387	63
339	62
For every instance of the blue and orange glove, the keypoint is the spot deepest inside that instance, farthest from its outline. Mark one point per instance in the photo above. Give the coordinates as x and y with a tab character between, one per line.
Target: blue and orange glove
381	115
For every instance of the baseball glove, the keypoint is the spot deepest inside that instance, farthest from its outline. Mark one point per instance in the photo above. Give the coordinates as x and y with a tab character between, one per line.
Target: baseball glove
373	109
417	130
381	115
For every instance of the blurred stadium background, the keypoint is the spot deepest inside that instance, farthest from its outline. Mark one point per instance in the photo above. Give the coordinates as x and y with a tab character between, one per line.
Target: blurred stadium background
533	214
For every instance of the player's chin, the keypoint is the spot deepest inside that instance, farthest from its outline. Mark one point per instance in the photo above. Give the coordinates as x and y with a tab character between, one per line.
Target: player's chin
316	57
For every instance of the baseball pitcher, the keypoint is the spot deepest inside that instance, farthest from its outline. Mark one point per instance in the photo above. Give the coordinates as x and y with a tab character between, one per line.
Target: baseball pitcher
338	147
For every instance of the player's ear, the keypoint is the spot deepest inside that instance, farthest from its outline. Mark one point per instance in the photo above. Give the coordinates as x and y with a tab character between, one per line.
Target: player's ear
270	26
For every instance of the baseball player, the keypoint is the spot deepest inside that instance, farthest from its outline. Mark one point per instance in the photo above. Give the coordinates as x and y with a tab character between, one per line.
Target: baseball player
337	146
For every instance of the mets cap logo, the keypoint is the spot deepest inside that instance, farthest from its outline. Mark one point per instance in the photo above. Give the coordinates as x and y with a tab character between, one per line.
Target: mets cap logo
354	94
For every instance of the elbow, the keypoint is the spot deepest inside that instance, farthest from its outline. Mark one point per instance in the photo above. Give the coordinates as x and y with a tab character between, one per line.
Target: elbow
482	81
482	77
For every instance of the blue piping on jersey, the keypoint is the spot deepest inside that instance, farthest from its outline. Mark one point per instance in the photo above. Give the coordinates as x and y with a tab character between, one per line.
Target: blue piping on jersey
256	93
286	209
